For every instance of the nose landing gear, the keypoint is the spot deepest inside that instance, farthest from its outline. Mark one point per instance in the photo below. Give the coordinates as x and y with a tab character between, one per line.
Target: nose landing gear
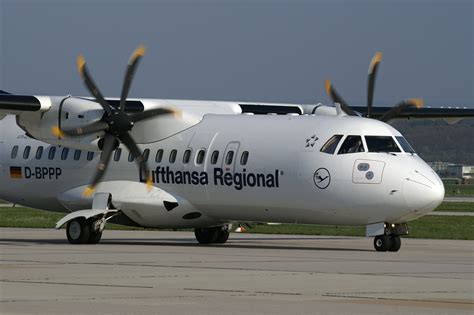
387	236
384	243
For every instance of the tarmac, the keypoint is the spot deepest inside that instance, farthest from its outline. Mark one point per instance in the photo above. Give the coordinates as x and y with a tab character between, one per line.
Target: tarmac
156	272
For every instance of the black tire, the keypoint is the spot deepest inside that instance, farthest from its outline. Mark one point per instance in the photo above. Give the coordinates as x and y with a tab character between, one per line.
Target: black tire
78	231
395	243
222	236
94	237
206	235
382	243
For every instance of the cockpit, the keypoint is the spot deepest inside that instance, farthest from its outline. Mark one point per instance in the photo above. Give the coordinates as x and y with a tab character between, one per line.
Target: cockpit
373	144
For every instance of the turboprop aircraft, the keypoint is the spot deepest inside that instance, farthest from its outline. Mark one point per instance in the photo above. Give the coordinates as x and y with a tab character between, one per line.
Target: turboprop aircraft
207	165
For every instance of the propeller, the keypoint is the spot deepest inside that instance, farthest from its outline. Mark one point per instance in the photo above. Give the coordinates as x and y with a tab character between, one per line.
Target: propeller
372	74
115	123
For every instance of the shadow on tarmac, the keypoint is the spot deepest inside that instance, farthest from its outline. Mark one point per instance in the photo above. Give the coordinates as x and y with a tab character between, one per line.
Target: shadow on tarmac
241	243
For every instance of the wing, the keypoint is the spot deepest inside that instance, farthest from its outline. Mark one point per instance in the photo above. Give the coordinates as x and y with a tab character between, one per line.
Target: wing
424	112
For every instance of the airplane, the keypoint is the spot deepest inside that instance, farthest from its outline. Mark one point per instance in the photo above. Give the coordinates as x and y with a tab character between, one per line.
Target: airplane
211	165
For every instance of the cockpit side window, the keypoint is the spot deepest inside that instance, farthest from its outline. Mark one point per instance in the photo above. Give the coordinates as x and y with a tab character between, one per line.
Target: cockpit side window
405	145
352	144
330	146
381	144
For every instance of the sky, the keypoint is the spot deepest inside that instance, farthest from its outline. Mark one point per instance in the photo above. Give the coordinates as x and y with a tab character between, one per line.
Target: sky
273	51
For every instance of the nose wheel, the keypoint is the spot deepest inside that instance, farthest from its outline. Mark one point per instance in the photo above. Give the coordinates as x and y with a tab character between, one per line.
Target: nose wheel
390	243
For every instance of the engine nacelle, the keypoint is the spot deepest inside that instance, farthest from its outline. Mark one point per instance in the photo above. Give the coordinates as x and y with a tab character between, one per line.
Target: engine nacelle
67	113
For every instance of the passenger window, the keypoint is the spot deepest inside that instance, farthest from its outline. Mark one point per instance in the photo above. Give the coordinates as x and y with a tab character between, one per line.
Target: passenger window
39	153
200	157
187	156
146	154
77	155
330	146
405	145
14	152
244	158
173	154
352	144
214	157
90	156
159	156
381	144
64	154
51	153
130	157
229	157
26	152
117	154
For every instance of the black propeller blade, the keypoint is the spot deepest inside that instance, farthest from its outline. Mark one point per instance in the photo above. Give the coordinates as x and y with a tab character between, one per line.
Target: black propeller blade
132	66
397	109
372	74
116	124
374	65
331	92
91	86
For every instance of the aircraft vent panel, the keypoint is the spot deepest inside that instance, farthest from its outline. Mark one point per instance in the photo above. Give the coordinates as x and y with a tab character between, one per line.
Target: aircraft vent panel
261	109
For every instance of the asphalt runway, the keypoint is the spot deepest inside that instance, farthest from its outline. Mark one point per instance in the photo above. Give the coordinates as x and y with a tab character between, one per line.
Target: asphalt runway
137	272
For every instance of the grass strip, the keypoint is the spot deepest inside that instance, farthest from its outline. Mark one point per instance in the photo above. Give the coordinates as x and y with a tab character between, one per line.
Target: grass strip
436	227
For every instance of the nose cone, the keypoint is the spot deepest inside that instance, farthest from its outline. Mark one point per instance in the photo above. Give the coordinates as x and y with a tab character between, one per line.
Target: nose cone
423	191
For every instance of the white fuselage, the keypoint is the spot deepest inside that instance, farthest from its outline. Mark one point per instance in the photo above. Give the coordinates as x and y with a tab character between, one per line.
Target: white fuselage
285	179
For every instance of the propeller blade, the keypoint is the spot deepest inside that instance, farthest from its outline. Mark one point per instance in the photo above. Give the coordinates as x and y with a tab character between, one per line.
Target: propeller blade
128	141
154	112
132	65
109	146
374	65
395	111
81	131
93	89
331	92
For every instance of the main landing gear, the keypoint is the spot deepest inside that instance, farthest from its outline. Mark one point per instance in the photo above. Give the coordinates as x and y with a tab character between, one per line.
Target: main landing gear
217	235
82	231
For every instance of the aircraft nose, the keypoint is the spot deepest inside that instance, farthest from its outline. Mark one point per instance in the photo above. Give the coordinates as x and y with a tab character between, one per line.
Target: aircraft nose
423	191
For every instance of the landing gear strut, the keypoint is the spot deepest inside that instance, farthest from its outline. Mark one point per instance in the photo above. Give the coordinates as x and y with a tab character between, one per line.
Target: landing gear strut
218	234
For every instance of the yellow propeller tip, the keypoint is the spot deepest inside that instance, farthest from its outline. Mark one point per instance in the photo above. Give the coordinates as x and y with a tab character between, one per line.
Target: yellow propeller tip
139	52
57	132
327	86
376	59
80	62
149	184
89	191
177	113
418	102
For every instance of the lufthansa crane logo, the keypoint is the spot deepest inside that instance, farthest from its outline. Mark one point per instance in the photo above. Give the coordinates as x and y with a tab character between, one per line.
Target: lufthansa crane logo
322	178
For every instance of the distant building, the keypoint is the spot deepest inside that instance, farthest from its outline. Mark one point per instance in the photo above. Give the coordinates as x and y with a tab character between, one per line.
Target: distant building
449	170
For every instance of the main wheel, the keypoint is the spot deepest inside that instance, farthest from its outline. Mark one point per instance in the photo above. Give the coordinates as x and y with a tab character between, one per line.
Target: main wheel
395	243
382	243
78	231
94	237
222	236
206	235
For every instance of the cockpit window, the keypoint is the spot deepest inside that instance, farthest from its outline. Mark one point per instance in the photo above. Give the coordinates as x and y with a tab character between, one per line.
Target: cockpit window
331	145
352	144
405	145
381	144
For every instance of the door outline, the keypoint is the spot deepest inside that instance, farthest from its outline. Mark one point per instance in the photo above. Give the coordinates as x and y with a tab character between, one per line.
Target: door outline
231	146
